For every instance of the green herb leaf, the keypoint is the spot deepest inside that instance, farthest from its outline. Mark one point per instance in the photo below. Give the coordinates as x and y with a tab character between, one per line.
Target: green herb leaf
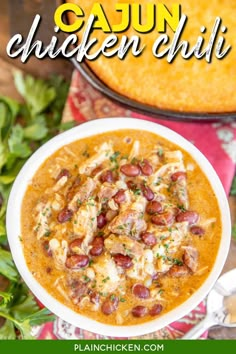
233	188
6	297
7	267
234	232
36	92
23	128
38	130
7	331
113	157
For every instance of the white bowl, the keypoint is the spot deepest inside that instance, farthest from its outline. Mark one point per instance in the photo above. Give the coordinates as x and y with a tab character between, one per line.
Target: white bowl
14	225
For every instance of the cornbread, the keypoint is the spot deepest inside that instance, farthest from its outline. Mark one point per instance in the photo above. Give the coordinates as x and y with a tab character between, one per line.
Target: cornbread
184	85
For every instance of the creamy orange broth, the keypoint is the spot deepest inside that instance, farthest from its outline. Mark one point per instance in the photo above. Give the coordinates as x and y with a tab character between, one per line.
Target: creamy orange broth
170	291
184	85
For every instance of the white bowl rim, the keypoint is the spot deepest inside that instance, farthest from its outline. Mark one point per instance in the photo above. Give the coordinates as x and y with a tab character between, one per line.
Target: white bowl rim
14	228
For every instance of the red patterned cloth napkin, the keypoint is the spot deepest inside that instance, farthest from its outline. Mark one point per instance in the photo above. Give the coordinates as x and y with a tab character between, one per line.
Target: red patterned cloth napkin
216	141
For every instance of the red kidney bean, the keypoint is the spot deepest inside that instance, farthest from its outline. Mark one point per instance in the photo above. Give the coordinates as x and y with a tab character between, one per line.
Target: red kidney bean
120	196
146	167
64	215
75	244
149	239
141	291
107	176
155	310
63	173
139	311
97	246
178	176
123	261
197	230
130	170
154	207
101	220
95	298
190	216
147	193
110	305
165	219
77	261
131	185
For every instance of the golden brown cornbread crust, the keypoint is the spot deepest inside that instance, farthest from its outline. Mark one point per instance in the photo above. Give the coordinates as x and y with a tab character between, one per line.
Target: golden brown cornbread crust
184	85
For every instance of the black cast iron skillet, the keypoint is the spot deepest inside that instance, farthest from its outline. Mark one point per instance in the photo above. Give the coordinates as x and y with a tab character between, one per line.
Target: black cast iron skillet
146	109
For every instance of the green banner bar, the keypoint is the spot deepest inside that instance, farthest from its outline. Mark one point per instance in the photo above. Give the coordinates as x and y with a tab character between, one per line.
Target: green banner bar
117	346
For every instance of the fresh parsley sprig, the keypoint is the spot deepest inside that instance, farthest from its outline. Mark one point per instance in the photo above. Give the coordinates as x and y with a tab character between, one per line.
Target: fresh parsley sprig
23	128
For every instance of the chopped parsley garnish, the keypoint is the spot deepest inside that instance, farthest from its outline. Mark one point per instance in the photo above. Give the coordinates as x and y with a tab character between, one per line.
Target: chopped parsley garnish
105	279
113	157
47	233
102	294
170	259
162	237
124	157
122	299
120	227
134	161
90	204
137	191
158	181
86	278
181	207
177	261
86	153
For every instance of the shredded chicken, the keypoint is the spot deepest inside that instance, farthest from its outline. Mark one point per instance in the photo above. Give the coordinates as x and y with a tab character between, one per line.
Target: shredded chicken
107	191
84	192
135	150
59	252
104	152
60	183
85	223
107	277
190	258
130	221
124	245
42	220
179	190
168	244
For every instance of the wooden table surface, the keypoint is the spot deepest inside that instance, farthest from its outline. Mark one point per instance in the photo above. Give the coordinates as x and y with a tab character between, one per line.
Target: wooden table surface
42	68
